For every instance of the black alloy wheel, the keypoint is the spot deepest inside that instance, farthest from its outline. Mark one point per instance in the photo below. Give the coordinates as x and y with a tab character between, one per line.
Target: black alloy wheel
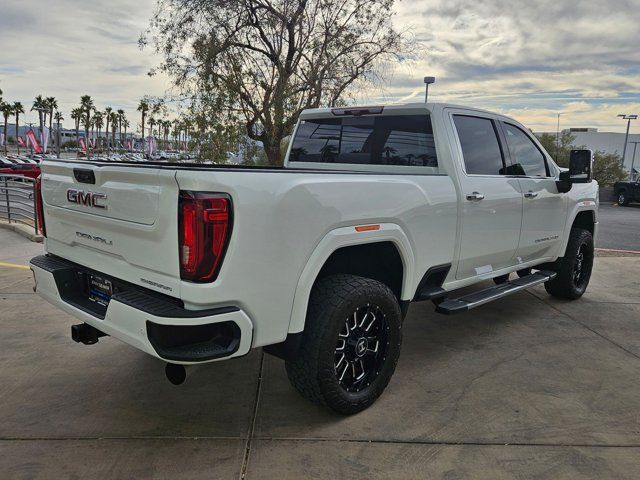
361	348
622	199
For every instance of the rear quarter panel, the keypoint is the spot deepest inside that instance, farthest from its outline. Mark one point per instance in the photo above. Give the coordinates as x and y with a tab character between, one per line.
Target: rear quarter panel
280	219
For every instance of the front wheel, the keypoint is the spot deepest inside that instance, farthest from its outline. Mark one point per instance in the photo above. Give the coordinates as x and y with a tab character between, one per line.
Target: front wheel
351	343
575	267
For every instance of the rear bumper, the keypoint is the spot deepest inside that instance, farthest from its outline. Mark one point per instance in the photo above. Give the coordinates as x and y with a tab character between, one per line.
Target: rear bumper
158	326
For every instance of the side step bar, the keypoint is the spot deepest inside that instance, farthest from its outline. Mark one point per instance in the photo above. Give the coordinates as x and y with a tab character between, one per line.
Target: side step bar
475	299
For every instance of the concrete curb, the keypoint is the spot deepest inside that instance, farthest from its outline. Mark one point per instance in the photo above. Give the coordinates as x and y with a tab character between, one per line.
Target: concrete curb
22	229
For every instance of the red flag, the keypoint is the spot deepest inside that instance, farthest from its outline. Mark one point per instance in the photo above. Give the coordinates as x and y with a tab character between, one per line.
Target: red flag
82	144
21	141
34	141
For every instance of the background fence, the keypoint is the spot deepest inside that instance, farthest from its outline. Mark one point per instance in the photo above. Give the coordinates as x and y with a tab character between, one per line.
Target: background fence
17	200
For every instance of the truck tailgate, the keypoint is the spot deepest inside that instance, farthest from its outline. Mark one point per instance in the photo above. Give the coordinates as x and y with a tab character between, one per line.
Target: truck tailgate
116	219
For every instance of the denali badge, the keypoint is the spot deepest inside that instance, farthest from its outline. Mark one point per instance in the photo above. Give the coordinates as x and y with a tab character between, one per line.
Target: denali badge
95	238
89	199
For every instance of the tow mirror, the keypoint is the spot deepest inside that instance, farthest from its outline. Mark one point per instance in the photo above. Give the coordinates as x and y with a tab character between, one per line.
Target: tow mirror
580	170
580	166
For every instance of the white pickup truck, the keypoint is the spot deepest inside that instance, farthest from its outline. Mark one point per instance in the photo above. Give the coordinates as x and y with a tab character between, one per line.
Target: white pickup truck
317	261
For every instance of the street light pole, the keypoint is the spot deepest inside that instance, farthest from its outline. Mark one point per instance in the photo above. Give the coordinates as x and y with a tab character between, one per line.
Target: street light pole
633	158
428	81
558	138
628	118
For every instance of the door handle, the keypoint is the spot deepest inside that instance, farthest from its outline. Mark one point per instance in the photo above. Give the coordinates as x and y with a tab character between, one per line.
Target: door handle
475	197
530	194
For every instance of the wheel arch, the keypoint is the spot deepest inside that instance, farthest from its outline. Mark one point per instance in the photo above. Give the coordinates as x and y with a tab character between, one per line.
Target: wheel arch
584	216
346	247
586	220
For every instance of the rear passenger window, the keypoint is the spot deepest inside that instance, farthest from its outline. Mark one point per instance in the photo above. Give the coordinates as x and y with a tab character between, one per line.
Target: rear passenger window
525	156
480	147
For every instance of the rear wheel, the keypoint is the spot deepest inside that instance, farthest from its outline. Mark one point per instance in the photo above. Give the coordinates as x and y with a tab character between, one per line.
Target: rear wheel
623	201
574	270
351	343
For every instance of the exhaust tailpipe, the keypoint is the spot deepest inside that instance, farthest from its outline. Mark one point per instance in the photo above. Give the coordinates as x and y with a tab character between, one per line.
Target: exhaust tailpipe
177	374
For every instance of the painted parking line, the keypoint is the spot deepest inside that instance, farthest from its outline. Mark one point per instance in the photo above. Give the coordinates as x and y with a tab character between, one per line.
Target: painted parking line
15	265
617	251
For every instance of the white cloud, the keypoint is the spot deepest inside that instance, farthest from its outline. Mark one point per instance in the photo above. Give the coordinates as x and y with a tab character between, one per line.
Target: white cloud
528	59
67	48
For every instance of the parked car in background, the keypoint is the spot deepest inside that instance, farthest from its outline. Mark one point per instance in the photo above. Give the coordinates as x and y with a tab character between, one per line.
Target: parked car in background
30	170
627	192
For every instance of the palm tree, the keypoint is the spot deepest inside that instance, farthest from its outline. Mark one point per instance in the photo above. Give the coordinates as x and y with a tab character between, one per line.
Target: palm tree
58	118
93	132
125	124
86	104
7	110
176	133
152	122
76	115
98	120
107	113
52	104
121	117
186	126
167	132
40	105
17	110
143	108
114	127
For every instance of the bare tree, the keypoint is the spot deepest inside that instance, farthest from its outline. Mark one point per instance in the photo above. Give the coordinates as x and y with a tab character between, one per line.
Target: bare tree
259	63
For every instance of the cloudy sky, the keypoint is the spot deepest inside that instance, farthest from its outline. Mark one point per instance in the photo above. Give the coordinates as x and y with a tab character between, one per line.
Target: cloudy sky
527	59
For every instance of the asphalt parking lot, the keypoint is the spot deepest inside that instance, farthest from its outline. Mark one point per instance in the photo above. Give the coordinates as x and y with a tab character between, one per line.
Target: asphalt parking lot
619	226
527	387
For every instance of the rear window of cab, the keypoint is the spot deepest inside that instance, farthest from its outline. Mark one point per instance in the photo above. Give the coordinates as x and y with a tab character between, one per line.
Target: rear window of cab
366	140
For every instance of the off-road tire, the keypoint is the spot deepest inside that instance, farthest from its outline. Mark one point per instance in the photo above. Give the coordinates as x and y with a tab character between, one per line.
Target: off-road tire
566	285
313	371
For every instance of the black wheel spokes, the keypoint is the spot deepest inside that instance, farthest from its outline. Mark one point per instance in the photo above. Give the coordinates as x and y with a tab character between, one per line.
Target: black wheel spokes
579	266
361	348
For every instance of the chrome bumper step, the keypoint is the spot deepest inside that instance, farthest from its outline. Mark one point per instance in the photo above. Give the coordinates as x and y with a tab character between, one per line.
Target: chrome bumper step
475	299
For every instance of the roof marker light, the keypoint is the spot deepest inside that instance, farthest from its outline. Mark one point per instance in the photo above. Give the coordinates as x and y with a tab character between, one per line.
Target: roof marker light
357	111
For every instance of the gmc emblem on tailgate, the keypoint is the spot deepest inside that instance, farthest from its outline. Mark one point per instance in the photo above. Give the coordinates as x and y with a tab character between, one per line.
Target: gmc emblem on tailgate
89	199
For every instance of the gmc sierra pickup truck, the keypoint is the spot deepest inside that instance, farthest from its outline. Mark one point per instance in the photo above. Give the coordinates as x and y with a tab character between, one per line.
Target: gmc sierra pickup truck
316	261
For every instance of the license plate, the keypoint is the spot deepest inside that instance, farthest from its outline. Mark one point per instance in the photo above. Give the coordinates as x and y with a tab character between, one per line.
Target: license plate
100	290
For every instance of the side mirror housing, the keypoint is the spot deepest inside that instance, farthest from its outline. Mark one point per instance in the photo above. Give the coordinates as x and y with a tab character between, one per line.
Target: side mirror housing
581	166
580	170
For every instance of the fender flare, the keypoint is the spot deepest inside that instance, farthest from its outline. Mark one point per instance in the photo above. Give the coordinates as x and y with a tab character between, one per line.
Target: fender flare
582	206
345	237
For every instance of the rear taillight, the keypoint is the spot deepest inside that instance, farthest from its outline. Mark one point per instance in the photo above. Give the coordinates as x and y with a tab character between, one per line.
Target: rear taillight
204	228
39	207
